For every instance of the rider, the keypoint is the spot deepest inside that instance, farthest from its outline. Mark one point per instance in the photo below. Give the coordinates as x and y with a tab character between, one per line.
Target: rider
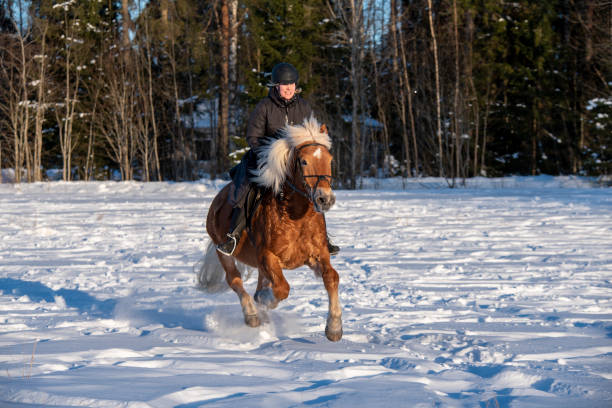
282	106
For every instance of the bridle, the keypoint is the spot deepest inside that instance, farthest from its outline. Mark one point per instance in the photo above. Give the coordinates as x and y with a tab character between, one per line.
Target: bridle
310	192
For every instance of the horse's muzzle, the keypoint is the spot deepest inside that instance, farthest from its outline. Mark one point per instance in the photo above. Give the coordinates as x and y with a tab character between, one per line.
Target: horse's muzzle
323	200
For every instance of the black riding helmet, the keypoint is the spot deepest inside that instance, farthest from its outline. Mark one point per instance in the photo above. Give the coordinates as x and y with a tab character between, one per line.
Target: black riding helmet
284	74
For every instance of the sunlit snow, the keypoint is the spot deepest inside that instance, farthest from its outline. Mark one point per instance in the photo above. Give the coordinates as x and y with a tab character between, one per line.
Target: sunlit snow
494	295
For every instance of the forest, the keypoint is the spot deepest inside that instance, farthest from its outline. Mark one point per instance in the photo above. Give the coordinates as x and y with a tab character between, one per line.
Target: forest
161	90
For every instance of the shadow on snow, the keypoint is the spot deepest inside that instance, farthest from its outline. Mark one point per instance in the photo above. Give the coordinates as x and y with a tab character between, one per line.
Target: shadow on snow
74	298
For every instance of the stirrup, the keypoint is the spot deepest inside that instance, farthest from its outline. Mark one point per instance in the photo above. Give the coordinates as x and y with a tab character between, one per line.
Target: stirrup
228	247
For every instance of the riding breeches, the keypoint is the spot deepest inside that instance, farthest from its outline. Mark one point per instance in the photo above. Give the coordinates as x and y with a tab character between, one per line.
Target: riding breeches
240	177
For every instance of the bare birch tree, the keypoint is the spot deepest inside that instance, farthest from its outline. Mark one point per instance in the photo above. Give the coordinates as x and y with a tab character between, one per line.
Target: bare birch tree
438	95
147	51
117	115
65	112
41	104
88	171
16	70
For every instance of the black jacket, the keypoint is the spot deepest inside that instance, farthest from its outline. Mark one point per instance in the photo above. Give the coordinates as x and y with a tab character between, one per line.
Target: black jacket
274	112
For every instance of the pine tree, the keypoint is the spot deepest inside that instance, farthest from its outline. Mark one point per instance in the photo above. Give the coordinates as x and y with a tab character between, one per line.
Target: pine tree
290	31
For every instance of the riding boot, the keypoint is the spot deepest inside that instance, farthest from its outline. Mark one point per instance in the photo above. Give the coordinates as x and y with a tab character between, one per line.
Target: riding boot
333	249
233	237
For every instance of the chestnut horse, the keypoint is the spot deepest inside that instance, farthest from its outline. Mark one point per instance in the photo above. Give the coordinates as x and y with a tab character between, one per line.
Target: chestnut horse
287	229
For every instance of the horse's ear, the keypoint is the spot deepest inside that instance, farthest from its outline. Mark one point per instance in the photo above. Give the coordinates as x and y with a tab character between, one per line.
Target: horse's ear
323	129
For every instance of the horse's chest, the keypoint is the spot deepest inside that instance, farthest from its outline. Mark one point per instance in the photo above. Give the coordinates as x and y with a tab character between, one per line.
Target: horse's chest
299	243
304	254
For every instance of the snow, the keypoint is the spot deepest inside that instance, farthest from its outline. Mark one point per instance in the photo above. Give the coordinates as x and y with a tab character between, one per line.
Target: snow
65	5
597	102
496	294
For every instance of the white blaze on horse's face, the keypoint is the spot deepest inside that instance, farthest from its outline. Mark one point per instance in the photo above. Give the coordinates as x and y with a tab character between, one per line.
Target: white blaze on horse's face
316	167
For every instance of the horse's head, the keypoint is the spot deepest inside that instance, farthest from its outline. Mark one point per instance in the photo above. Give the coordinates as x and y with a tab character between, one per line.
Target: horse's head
301	158
314	163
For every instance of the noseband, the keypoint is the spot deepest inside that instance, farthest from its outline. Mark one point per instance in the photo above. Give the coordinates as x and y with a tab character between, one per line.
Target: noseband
309	193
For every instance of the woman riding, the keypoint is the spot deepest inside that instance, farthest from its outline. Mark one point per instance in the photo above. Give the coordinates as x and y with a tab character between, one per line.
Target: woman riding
283	106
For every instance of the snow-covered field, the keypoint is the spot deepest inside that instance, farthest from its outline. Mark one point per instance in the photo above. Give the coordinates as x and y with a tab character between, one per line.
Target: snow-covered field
494	295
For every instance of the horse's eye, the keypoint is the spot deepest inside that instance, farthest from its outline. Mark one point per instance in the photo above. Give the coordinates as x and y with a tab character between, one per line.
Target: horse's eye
304	163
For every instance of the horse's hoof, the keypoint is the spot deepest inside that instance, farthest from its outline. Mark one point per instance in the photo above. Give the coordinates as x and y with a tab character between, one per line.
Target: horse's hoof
265	297
252	320
333	335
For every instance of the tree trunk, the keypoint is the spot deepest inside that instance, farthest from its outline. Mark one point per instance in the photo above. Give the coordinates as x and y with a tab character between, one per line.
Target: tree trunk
181	148
126	25
90	141
40	110
356	45
534	143
65	141
66	122
403	86
415	149
456	115
156	165
232	68
474	93
438	98
382	117
25	117
164	14
485	125
222	153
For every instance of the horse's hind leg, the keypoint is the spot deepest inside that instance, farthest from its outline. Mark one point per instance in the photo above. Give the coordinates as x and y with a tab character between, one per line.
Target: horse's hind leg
264	295
234	280
269	266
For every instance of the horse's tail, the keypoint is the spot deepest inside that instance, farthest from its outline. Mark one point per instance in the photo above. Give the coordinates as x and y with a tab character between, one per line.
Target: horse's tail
210	275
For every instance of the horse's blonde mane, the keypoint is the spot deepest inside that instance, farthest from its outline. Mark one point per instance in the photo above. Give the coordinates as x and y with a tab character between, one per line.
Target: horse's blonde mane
275	157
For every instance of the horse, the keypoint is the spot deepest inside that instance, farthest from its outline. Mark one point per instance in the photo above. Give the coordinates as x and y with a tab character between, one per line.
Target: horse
287	229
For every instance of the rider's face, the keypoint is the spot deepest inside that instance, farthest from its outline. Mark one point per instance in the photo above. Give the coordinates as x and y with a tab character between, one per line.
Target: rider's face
286	91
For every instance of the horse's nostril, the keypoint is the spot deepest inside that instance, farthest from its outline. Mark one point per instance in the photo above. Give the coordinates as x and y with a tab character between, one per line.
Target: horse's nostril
321	200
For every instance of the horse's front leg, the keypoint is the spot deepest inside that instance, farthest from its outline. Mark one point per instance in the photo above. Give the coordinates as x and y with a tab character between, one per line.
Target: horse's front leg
333	329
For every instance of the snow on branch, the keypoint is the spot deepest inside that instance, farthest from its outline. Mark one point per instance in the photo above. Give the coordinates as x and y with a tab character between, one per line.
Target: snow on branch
65	5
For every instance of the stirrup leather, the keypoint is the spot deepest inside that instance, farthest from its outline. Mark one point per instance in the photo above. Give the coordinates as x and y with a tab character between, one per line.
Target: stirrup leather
225	247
